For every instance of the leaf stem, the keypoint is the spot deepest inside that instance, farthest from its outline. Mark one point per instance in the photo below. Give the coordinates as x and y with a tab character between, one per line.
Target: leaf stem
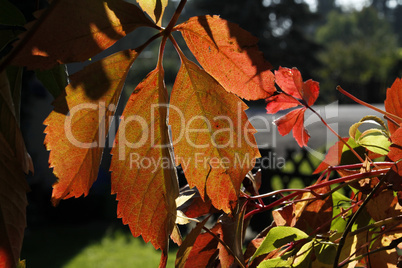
175	17
395	117
336	134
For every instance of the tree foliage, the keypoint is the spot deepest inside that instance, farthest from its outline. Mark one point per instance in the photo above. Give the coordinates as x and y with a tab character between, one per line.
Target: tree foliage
201	126
355	44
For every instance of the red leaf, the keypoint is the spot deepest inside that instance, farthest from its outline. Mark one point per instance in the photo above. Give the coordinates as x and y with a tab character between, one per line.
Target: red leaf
13	202
212	138
91	27
290	81
395	154
204	250
280	102
294	120
230	55
333	157
188	244
195	207
295	92
143	175
393	103
78	125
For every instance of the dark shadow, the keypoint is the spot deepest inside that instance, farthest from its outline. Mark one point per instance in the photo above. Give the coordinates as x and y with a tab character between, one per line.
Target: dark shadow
285	240
158	11
204	23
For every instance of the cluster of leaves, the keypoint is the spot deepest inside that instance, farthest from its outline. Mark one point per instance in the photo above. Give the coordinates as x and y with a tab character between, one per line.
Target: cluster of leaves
315	226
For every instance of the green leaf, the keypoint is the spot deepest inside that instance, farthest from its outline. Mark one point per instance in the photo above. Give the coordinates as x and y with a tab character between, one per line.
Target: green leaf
11	18
281	262
303	258
369	119
375	140
54	80
348	156
339	201
325	253
278	237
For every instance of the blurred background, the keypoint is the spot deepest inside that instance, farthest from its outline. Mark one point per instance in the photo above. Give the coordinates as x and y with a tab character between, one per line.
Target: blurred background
355	44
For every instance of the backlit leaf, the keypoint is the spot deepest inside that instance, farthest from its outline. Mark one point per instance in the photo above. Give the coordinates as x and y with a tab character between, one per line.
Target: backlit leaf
333	156
295	92
188	244
154	8
278	237
375	140
280	102
230	55
313	214
13	202
294	120
143	174
93	26
77	127
204	251
393	103
291	82
212	138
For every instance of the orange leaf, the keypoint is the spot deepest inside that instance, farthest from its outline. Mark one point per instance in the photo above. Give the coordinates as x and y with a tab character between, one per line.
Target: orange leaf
212	138
393	103
13	202
154	8
77	127
229	54
93	26
143	174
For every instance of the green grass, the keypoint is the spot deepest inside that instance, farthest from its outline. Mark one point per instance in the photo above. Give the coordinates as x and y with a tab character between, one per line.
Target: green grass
118	250
91	245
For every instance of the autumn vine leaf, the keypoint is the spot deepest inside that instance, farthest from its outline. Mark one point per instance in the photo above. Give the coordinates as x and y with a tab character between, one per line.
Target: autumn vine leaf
13	203
14	162
93	26
393	105
216	150
154	8
295	92
143	176
78	125
230	55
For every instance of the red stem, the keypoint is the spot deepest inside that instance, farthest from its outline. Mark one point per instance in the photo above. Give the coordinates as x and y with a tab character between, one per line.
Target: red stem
175	17
395	117
278	202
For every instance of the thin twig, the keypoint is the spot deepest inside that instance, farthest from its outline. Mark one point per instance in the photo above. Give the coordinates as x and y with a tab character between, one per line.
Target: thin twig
395	117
